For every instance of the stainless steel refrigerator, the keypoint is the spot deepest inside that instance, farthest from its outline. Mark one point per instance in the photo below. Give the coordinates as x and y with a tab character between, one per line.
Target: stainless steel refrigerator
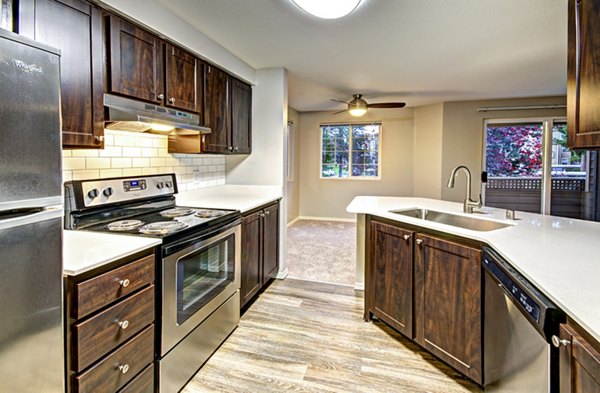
31	317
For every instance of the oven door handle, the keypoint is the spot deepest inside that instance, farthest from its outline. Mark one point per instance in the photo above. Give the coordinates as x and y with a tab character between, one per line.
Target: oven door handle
176	246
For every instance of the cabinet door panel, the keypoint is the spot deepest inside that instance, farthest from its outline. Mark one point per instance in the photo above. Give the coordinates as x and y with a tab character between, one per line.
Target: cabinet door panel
216	110
391	260
583	74
579	364
241	117
448	303
75	28
180	79
270	243
251	266
136	61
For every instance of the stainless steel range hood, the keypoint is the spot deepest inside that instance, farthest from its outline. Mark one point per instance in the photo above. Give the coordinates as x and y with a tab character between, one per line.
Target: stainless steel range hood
125	114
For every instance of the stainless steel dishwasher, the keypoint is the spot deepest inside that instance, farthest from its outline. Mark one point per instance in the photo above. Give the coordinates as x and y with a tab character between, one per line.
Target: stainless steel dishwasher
519	322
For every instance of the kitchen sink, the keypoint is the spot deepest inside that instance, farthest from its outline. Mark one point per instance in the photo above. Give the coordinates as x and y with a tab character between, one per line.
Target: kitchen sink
474	224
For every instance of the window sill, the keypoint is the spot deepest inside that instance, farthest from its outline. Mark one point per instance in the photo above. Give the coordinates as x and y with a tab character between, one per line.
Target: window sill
351	178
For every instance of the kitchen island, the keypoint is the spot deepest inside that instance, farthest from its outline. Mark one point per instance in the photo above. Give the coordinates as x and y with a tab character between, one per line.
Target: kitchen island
560	256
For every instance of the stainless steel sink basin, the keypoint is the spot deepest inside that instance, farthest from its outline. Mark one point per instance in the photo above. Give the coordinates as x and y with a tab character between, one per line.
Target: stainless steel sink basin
474	224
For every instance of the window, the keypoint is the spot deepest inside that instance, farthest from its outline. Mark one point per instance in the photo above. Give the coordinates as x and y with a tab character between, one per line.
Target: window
350	151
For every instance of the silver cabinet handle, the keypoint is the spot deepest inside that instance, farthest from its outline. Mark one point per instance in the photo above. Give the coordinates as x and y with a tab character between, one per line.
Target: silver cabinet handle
161	96
557	341
235	148
230	148
267	213
262	215
406	237
123	368
124	283
419	241
172	100
123	324
99	139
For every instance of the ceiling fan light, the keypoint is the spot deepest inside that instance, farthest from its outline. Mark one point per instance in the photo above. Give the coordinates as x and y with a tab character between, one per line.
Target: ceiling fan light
357	112
328	9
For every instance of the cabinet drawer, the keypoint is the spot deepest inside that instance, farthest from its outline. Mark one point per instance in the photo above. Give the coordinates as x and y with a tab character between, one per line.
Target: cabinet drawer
114	371
97	292
101	333
143	383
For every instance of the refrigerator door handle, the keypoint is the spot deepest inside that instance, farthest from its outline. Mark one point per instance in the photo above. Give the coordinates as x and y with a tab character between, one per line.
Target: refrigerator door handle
48	213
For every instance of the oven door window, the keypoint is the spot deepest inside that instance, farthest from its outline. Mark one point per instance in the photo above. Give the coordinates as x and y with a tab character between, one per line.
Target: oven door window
202	274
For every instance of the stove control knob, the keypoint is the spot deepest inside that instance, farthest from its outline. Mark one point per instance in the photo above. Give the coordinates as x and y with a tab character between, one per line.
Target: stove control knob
160	185
93	193
169	184
107	192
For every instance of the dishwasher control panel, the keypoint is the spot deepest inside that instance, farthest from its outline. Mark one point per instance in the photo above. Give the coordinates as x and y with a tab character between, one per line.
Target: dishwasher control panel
523	299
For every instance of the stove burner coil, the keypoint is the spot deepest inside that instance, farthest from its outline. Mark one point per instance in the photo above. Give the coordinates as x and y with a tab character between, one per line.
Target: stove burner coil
163	227
124	225
177	212
209	213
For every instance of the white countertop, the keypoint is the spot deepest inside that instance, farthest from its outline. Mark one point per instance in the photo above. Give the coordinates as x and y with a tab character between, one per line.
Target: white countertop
230	196
560	256
84	251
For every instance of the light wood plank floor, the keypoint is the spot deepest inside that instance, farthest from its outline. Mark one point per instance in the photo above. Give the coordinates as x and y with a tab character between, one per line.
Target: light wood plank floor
301	336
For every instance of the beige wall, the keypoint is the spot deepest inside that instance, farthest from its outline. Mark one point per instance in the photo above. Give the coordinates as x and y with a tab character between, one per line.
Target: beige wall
463	136
293	186
329	197
427	163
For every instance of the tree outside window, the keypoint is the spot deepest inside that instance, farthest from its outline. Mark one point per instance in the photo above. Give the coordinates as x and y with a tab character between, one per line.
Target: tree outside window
350	151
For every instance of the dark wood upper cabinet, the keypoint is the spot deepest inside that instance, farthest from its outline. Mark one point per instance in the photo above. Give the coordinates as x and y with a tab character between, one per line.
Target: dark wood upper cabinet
270	243
448	303
228	113
180	79
579	363
241	117
216	111
583	74
136	61
74	27
390	276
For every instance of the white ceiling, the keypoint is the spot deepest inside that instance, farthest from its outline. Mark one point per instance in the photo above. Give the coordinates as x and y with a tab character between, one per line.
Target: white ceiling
416	51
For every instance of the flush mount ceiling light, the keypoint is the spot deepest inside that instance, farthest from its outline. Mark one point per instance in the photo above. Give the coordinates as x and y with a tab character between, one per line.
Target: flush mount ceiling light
328	9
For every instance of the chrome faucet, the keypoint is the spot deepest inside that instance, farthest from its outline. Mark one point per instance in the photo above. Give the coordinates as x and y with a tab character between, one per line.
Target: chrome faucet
468	204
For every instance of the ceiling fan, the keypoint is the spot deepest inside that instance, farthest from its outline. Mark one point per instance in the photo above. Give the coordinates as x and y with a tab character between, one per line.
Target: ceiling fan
358	107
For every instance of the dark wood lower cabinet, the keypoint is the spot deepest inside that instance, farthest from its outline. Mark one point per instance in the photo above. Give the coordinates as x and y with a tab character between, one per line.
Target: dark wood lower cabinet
391	277
260	250
448	303
579	361
429	289
110	346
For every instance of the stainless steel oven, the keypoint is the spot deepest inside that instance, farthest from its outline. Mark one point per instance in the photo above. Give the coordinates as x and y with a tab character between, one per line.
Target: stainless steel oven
198	275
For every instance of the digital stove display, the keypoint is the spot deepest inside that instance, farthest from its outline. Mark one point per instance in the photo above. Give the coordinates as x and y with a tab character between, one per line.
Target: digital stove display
134	185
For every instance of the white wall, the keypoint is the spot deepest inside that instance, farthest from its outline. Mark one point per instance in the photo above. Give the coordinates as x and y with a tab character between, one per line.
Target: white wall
156	17
293	186
427	163
329	197
265	166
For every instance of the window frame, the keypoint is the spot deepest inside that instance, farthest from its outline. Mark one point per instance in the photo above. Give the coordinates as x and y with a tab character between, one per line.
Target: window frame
350	163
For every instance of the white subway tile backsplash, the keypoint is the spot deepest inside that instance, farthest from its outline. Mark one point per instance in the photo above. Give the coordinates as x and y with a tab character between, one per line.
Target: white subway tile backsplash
73	163
84	153
121	162
111	173
97	163
132	154
140	162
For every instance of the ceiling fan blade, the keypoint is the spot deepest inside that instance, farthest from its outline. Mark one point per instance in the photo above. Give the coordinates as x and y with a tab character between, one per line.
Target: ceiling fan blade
338	112
343	102
387	105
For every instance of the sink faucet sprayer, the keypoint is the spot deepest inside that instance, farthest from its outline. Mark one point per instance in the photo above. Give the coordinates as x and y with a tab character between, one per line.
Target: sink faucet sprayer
468	204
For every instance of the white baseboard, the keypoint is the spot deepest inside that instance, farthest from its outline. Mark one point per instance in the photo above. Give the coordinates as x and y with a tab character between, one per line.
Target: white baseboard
339	219
295	220
282	274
